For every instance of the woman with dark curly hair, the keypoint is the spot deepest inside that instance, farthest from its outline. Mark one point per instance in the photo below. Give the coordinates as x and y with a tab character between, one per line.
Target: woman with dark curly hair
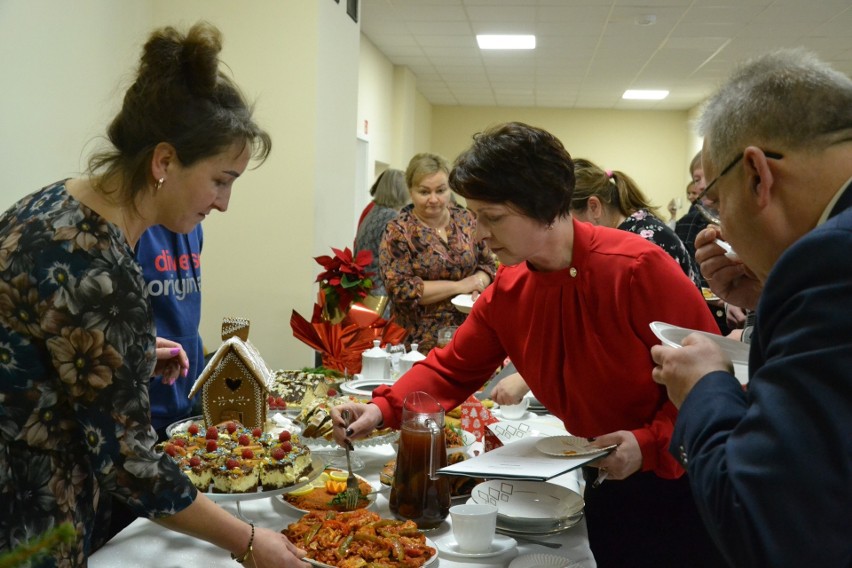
77	340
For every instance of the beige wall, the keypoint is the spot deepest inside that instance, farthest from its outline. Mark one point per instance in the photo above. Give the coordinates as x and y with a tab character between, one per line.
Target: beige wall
315	79
62	67
652	147
297	59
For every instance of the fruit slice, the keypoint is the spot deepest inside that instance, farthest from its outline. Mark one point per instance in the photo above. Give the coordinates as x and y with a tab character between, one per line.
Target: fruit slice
302	490
336	475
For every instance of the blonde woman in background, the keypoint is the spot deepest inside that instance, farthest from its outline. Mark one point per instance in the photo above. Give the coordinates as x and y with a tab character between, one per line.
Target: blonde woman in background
389	194
429	254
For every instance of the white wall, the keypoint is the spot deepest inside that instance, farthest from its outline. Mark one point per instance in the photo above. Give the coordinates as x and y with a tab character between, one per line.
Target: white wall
66	65
62	66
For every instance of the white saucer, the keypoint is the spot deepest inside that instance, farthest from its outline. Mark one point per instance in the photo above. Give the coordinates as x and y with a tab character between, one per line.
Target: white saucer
448	545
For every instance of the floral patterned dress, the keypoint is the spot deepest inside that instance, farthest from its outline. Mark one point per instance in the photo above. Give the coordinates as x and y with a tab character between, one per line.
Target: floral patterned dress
648	226
76	355
412	253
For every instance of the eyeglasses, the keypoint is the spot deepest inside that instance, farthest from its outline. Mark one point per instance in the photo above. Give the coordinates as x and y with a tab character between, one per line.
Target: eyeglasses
710	214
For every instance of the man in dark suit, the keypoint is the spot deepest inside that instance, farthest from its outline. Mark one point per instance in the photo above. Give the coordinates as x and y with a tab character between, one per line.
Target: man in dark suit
771	466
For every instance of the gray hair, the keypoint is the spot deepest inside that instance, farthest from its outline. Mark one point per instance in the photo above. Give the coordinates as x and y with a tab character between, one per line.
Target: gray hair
390	189
787	98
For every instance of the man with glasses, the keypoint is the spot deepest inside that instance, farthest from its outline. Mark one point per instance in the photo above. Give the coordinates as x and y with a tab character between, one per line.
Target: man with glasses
771	466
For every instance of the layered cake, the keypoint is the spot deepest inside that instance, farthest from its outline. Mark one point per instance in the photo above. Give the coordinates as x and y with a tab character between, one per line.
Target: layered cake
235	459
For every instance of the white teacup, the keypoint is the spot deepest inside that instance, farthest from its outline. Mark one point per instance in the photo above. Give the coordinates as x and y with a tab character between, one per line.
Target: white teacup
515	411
474	526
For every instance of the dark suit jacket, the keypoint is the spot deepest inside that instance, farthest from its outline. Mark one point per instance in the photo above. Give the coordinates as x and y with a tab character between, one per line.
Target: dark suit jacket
771	468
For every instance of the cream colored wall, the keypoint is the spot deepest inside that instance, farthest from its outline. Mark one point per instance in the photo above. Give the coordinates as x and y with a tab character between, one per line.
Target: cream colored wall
298	61
399	117
62	68
652	147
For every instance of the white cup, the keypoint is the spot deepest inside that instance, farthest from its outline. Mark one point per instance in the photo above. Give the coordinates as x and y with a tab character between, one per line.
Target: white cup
514	411
474	526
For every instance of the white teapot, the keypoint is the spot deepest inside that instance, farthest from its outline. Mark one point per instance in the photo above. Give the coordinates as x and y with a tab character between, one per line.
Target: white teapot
375	364
409	359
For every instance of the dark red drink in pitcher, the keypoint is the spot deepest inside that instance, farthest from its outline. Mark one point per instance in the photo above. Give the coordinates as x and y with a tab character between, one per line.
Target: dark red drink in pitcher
418	493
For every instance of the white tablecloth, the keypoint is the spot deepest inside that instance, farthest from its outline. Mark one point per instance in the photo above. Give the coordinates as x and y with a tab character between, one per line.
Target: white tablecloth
144	543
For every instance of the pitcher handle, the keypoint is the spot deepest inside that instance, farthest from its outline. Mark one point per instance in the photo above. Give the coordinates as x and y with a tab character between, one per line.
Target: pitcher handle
434	432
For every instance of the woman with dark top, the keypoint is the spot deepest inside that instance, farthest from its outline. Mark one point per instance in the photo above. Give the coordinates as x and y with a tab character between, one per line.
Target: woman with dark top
613	199
429	254
76	329
389	194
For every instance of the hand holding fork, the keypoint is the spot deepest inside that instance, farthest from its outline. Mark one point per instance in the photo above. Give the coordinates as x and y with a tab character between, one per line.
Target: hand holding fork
353	492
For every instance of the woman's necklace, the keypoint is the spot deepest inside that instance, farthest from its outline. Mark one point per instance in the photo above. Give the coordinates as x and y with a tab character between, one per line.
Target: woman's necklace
441	227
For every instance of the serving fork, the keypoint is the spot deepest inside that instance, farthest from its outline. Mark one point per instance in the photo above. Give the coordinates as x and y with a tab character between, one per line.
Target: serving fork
353	492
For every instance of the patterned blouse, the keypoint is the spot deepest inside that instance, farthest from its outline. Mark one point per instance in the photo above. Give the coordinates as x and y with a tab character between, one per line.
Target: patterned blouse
369	237
412	253
76	355
648	226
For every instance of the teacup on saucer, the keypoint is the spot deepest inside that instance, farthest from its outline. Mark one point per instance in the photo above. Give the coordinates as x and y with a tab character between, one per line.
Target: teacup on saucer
447	544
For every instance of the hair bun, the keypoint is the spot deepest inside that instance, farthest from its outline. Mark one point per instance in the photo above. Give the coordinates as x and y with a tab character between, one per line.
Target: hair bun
200	58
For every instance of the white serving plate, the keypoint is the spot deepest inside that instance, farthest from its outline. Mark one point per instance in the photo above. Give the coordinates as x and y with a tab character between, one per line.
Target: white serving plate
540	560
363	387
528	502
673	336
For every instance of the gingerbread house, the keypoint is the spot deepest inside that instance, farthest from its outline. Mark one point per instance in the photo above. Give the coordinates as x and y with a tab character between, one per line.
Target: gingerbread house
233	384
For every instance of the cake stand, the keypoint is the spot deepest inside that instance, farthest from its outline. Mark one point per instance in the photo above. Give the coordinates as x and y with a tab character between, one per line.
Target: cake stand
317	467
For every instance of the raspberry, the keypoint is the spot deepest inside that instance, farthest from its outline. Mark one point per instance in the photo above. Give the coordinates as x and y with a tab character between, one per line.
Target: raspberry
244	440
280	403
332	392
286	446
248	454
232	427
278	454
180	442
232	463
212	445
193	429
212	433
257	432
171	450
284	436
194	461
270	400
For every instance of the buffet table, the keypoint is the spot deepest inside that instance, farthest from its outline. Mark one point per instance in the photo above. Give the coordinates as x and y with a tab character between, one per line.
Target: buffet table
144	543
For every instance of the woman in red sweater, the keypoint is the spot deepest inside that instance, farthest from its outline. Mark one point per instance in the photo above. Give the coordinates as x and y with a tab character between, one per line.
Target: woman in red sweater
571	305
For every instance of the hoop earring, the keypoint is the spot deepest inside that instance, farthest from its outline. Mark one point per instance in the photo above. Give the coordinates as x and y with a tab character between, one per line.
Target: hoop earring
159	183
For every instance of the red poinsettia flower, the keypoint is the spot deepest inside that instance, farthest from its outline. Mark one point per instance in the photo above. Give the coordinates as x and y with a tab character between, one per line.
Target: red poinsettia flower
345	278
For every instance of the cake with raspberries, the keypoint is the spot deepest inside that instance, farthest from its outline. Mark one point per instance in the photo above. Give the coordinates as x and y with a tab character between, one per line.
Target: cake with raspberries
234	459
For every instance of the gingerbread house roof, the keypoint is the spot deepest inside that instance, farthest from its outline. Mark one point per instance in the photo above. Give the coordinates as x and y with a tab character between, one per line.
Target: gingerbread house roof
246	352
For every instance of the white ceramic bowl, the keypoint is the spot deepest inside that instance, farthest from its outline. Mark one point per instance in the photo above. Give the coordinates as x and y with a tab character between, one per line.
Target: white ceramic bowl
514	411
530	502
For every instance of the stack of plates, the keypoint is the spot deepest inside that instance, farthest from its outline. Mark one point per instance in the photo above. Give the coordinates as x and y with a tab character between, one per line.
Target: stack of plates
530	507
535	406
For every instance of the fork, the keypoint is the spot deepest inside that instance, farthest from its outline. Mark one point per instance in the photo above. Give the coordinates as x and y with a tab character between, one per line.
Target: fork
353	491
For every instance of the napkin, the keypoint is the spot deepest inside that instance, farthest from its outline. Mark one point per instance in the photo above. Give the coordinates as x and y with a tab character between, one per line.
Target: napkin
475	417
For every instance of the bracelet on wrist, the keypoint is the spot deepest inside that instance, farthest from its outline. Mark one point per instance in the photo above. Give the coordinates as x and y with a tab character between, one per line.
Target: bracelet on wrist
246	554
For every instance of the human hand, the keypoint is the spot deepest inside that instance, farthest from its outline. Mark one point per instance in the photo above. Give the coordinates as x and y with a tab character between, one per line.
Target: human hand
172	361
271	548
474	284
729	279
510	390
735	316
623	461
365	419
680	368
